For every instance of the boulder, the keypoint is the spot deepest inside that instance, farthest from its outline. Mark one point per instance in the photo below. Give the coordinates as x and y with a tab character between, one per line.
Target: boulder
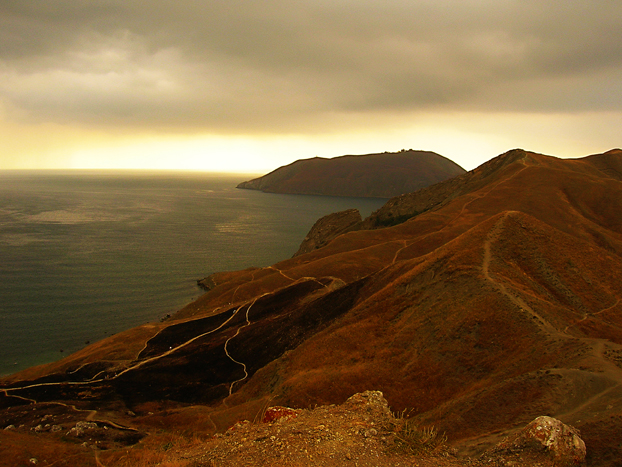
279	413
81	428
546	441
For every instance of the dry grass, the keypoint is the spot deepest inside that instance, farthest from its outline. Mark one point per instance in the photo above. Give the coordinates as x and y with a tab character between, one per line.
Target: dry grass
414	439
164	450
16	449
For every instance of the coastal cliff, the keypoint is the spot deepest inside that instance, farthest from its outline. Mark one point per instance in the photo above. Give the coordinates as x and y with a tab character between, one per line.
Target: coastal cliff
327	228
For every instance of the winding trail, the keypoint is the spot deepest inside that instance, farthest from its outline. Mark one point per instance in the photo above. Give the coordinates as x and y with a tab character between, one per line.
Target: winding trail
130	368
27	399
588	315
610	370
492	237
595	358
8	392
97	461
248	323
281	273
302	279
405	244
475	196
238	287
90	417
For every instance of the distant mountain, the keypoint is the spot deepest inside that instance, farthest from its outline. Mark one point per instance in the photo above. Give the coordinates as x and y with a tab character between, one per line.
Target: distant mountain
476	305
371	175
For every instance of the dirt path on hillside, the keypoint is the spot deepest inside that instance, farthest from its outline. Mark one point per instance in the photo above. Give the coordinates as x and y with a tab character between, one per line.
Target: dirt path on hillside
9	392
539	320
595	361
248	323
476	196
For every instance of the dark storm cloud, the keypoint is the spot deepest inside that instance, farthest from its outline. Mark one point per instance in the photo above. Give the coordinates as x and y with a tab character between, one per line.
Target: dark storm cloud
270	64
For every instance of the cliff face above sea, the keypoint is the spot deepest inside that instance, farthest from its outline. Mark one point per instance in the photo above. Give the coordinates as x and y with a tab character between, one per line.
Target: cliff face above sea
327	228
372	175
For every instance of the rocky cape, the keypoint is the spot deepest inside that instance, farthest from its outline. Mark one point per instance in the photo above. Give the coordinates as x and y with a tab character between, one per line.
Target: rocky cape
476	306
371	175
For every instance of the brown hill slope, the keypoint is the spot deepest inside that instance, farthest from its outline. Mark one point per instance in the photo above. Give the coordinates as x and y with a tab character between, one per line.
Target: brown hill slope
371	175
498	303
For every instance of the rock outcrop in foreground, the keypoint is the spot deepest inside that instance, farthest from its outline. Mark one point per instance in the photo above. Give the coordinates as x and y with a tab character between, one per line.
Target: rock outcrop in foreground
544	442
371	175
363	431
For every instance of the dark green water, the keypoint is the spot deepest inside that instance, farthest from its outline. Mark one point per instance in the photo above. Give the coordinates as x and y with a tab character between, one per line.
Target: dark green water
86	254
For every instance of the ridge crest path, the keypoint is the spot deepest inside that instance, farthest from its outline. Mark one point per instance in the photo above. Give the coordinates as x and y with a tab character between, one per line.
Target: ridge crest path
597	347
494	236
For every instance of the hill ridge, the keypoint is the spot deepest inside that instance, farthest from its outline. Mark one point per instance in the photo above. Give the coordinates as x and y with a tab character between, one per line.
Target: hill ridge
499	304
380	175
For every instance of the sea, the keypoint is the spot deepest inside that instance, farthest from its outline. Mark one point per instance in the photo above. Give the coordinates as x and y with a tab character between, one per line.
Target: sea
87	254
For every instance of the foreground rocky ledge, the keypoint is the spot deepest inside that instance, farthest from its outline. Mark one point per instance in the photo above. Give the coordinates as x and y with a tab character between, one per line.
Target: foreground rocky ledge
364	432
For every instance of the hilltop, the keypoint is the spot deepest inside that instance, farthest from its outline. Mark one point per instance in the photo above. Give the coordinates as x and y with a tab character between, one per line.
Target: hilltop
475	305
381	175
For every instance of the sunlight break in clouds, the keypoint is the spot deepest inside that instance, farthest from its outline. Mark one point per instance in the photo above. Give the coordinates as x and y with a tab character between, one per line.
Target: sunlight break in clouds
217	85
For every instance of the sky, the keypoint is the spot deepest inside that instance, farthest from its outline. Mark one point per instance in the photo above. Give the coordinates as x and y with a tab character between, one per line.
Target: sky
248	86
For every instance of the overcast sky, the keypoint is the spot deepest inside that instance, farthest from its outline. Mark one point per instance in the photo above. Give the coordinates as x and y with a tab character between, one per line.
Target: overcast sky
251	85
